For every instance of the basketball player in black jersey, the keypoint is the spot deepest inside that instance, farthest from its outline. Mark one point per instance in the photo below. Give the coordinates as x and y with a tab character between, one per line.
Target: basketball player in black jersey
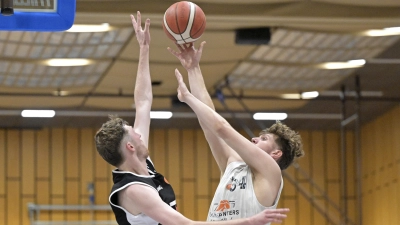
140	195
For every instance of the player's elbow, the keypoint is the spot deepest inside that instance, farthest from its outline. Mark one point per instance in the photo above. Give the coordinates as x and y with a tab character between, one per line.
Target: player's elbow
222	128
144	102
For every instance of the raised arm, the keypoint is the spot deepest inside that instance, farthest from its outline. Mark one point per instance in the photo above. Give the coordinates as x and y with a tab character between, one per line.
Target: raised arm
260	161
143	91
190	57
142	199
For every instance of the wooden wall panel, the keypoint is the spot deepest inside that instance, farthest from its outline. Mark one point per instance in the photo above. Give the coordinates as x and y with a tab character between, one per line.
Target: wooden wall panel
57	215
380	149
3	210
24	202
202	165
318	217
396	179
42	157
102	191
72	160
290	203
289	190
43	197
188	154
304	162
333	192
57	162
305	215
318	161
13	154
174	159
101	168
203	205
13	203
158	149
188	205
28	162
72	198
332	149
351	166
54	166
351	176
87	153
2	164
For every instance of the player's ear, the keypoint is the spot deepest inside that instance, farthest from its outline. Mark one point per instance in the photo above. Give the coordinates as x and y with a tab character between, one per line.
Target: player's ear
129	146
276	154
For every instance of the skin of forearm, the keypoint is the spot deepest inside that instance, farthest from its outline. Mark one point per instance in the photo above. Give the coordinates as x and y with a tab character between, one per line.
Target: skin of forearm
244	221
210	119
143	90
198	87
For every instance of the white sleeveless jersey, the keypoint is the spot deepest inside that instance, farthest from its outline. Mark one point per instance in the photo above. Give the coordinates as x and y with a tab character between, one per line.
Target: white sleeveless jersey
235	197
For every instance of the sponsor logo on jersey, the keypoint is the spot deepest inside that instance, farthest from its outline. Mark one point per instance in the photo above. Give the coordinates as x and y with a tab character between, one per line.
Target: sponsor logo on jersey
224	208
235	183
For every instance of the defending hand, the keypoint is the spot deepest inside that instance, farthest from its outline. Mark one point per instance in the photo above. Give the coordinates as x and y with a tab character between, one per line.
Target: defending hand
143	36
183	91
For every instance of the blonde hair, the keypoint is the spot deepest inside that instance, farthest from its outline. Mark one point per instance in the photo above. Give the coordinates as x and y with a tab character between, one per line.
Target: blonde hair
288	141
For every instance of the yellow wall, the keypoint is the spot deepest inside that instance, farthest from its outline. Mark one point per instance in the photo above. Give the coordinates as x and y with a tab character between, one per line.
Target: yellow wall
54	166
381	169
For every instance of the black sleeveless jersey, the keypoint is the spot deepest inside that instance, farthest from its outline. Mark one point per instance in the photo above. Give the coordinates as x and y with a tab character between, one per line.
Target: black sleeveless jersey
123	179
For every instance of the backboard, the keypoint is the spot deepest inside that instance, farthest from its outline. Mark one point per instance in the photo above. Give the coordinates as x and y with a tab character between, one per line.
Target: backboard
39	15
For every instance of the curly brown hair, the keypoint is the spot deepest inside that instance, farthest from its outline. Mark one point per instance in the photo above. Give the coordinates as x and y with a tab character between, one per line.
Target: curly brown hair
288	141
108	140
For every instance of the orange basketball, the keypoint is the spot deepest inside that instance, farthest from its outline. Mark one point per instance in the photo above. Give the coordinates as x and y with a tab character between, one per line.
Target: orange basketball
184	22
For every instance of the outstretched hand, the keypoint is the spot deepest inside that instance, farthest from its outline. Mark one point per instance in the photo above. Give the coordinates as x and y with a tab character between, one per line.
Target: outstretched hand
269	215
143	36
183	91
188	54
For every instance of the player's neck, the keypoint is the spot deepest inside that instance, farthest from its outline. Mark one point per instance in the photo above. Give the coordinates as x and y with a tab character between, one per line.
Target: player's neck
135	166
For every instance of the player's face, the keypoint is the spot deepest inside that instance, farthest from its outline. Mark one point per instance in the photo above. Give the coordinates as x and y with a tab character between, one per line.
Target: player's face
266	142
134	137
137	142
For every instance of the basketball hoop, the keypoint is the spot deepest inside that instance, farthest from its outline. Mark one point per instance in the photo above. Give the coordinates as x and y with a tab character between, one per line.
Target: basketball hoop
7	8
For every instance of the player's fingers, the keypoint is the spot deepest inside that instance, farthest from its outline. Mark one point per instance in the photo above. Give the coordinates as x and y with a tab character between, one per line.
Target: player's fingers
180	47
277	216
178	75
201	46
173	52
282	210
133	21
147	25
139	19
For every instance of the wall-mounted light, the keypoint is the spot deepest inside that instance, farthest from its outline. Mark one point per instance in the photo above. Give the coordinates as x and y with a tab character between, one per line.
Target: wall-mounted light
389	31
60	93
38	113
342	65
269	116
90	28
309	95
68	62
303	95
160	114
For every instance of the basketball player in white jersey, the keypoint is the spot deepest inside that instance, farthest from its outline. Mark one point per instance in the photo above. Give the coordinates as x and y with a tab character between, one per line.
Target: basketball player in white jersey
140	195
251	178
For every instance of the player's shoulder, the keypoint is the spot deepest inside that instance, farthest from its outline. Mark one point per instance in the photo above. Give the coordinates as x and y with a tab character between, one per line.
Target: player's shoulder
138	190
